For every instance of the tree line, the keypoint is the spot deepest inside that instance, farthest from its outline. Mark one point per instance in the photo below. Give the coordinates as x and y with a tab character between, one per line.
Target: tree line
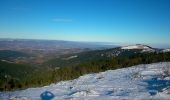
44	76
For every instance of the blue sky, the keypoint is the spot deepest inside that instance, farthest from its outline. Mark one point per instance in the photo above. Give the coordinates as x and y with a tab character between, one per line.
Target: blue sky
118	21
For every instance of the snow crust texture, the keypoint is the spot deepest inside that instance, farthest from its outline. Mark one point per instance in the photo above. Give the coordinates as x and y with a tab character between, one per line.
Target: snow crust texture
141	82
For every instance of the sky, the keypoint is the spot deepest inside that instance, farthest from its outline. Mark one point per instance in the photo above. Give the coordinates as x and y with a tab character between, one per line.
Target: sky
117	21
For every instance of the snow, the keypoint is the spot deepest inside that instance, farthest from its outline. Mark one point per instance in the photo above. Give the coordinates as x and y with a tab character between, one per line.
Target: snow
166	50
71	57
148	50
141	82
137	46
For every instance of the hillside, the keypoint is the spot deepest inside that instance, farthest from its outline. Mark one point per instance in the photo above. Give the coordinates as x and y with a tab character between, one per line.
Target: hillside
70	66
9	54
105	54
142	82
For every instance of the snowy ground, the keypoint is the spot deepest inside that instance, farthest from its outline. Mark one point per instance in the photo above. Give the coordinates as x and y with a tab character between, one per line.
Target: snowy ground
142	82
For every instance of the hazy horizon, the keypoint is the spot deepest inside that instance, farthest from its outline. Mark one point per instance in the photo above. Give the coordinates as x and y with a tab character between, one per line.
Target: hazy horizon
95	42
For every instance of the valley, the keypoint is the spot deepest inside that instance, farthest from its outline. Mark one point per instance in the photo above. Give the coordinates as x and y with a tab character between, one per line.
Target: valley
84	50
20	69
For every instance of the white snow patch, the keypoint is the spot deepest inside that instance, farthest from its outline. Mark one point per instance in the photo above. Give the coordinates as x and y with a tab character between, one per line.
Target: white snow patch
137	46
166	50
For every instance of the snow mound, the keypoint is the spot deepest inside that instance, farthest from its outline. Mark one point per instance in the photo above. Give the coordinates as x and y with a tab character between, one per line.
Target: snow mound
141	82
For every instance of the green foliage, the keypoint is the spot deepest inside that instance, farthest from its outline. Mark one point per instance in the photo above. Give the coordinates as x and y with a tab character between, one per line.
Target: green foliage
71	72
17	76
89	56
8	54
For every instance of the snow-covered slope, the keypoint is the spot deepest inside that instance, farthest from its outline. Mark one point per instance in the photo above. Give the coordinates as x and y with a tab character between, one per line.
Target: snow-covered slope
166	50
137	46
142	82
144	48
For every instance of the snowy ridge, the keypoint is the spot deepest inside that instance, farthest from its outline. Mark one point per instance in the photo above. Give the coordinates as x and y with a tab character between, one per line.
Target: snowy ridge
137	46
141	82
166	50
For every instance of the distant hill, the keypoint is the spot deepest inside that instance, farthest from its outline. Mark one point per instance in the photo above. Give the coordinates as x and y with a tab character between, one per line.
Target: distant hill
105	54
137	46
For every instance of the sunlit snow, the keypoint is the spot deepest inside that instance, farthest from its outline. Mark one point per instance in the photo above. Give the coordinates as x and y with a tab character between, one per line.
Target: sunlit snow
141	82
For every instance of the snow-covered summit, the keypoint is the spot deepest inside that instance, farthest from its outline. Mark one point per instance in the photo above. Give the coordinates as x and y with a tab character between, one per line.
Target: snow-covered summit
166	50
141	82
137	46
